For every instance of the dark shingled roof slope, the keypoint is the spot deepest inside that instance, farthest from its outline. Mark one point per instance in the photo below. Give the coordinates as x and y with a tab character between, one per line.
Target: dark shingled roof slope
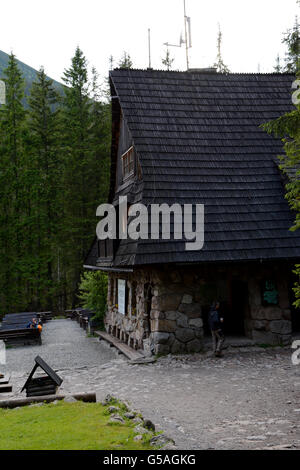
198	140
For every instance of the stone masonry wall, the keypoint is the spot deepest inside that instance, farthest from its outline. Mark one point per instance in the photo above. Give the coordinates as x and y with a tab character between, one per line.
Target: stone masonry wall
166	306
133	327
270	324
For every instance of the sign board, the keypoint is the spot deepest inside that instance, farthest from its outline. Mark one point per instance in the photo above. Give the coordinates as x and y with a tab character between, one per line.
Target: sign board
269	293
122	296
2	92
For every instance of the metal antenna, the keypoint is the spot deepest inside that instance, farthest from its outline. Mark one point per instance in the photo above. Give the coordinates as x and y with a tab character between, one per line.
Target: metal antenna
149	47
187	37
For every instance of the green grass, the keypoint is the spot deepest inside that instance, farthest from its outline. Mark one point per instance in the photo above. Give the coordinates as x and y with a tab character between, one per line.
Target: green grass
66	426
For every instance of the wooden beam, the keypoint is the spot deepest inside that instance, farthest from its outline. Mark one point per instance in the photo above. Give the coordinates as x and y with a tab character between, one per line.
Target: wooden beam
89	397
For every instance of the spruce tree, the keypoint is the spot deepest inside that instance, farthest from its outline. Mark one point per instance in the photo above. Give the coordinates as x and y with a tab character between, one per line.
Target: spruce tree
277	67
125	62
219	64
292	41
45	167
12	128
85	150
288	128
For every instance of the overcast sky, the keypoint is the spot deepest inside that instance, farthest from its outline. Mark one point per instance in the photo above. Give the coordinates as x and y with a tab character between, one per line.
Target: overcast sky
46	33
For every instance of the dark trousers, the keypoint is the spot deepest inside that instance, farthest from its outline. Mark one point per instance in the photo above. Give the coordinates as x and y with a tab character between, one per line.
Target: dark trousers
218	340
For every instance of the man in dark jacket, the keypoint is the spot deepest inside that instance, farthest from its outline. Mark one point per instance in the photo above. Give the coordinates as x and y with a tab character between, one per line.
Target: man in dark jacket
215	323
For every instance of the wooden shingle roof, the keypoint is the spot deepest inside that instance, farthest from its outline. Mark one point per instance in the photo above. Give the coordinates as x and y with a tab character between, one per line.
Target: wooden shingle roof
198	140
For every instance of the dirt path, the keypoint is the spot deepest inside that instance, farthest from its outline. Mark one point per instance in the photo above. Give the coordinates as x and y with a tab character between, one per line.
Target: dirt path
250	399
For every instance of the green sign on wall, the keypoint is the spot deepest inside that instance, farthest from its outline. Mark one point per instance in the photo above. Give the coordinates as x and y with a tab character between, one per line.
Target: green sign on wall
270	293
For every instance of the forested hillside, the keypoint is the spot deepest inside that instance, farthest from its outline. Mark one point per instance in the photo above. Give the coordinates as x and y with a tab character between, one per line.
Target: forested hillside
54	157
28	73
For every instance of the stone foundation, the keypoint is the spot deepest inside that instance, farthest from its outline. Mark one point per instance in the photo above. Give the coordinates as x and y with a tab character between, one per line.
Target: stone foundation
167	308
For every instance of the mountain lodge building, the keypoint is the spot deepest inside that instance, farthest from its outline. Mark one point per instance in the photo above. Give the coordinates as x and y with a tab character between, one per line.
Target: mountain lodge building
194	138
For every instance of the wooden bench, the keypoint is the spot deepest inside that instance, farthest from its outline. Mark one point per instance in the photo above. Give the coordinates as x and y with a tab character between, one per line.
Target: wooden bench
45	316
130	353
13	321
70	313
21	336
85	318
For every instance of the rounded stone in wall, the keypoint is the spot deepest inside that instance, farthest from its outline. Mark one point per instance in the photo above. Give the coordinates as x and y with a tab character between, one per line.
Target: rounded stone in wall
178	347
266	313
196	322
171	339
187	299
171	315
184	334
160	337
190	310
161	349
182	320
166	302
282	327
194	346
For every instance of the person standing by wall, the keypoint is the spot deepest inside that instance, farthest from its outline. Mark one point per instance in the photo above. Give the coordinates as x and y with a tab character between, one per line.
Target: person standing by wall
215	323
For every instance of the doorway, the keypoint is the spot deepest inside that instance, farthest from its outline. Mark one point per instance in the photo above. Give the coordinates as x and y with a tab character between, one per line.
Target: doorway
234	309
234	317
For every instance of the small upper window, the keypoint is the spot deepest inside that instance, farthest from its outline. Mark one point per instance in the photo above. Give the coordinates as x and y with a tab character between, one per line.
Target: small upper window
128	163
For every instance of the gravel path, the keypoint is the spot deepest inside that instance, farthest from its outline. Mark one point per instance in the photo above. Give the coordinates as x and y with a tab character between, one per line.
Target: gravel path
250	399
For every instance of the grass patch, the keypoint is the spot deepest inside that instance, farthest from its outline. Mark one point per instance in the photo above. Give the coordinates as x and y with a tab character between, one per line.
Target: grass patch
66	426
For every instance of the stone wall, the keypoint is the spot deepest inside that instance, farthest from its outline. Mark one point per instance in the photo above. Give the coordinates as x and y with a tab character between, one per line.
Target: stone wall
133	327
270	324
167	307
176	319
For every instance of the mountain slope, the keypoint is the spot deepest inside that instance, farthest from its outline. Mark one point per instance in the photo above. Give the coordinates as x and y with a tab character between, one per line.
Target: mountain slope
28	72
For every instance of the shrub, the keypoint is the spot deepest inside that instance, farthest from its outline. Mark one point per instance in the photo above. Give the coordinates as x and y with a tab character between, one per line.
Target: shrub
93	293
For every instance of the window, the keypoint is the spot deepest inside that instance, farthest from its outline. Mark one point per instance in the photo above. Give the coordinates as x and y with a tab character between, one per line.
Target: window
105	249
128	163
122	296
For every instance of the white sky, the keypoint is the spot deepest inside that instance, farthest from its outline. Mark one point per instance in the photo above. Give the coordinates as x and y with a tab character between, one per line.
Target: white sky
46	33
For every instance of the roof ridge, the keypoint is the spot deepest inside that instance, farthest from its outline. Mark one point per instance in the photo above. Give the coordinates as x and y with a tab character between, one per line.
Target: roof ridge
200	72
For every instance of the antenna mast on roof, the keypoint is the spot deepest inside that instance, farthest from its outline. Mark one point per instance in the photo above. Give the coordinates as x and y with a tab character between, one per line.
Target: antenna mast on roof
149	47
187	36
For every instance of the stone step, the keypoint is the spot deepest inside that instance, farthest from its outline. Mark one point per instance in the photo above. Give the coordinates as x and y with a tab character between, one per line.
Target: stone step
5	379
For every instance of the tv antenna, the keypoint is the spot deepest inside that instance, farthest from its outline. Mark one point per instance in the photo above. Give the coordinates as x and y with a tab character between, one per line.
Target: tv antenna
187	36
149	48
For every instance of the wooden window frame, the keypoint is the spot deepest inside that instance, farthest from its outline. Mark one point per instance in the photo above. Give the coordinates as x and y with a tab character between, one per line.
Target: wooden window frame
128	163
106	249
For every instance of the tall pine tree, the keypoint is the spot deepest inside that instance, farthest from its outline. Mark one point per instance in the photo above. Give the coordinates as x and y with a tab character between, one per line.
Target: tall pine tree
12	128
85	153
44	170
292	40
